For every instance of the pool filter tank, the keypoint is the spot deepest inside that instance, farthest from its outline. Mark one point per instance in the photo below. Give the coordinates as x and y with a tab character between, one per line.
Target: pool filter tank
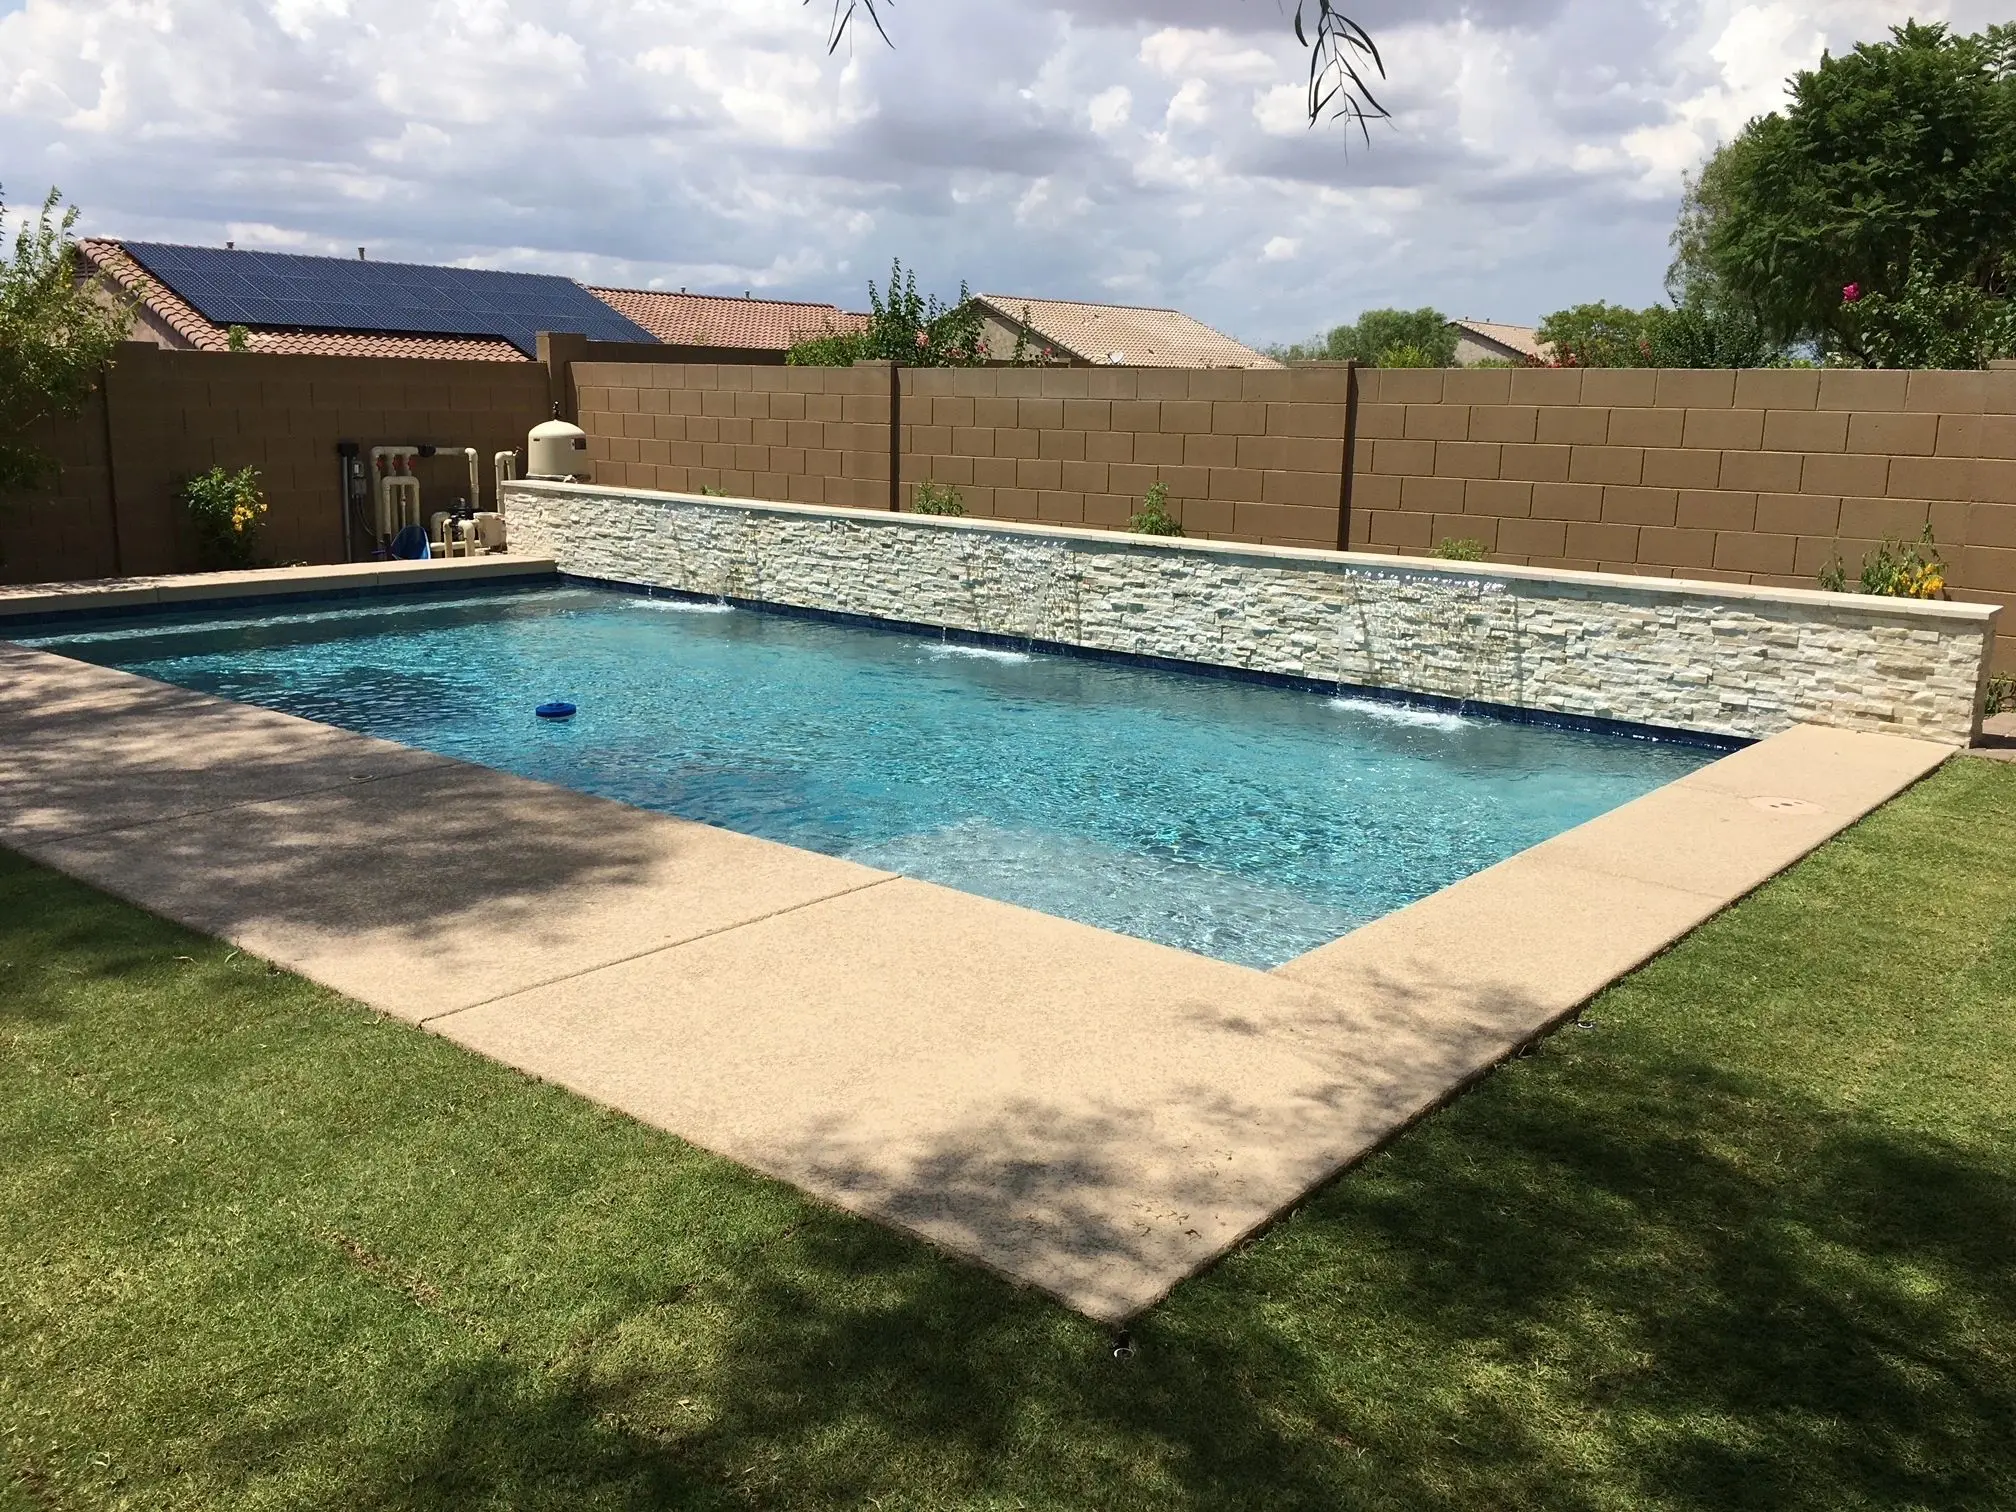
557	452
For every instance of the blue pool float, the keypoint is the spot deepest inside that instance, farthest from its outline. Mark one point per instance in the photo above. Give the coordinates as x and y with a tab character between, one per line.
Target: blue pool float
558	709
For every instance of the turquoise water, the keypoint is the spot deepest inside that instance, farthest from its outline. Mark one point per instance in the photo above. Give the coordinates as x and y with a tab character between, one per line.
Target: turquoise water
1237	820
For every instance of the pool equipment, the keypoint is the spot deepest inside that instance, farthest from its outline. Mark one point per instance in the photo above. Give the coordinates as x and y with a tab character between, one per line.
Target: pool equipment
557	452
399	506
558	709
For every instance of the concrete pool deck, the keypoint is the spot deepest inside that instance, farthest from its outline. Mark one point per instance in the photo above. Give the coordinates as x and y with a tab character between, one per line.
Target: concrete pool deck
1087	1113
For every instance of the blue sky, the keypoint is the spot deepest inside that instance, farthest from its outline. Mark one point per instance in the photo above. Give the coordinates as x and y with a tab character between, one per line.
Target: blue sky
1146	151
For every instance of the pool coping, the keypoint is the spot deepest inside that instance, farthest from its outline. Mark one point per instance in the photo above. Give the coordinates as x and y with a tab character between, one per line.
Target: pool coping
973	1042
55	603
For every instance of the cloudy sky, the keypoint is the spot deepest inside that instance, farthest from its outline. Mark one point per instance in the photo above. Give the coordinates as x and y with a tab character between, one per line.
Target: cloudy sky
1144	151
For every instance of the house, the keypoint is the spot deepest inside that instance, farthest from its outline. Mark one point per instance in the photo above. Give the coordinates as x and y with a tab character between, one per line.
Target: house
684	319
1082	334
1494	341
219	299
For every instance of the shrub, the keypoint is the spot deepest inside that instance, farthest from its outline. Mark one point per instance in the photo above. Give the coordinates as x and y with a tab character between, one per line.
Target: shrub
936	499
1933	323
904	327
2001	694
1153	517
1407	355
1896	569
226	509
1453	549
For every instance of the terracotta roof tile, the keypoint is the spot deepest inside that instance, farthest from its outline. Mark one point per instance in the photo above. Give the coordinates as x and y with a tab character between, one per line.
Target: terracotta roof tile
1126	335
720	320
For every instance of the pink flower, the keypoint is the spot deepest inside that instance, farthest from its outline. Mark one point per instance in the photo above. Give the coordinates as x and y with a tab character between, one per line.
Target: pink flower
1851	293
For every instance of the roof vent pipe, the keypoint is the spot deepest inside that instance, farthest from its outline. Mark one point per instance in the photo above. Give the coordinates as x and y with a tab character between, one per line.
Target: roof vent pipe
360	254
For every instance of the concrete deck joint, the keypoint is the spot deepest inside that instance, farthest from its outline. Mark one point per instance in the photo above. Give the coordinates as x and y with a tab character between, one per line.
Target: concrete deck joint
431	1019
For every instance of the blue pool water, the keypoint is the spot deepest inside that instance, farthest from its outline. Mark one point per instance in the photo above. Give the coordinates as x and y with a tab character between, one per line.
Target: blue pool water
1239	820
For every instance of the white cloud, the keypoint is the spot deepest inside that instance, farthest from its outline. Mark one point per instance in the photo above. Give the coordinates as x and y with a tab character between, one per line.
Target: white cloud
1100	148
1110	108
1190	105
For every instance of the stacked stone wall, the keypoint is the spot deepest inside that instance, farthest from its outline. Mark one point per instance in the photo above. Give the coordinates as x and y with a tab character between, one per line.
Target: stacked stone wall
1739	661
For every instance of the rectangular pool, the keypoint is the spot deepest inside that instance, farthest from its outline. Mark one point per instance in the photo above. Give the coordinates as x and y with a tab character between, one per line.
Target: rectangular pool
1239	820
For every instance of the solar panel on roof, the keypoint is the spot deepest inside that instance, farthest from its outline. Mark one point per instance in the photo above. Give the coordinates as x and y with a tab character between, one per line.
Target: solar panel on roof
229	287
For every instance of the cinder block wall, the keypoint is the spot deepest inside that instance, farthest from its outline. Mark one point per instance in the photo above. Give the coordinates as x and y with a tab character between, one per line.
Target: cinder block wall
65	529
1758	476
112	508
805	435
1247	456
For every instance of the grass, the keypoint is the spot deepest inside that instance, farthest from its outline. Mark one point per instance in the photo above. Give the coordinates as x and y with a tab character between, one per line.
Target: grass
1747	1239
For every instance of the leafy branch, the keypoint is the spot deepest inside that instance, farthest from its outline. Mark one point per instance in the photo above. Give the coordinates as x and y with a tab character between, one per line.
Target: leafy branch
1343	58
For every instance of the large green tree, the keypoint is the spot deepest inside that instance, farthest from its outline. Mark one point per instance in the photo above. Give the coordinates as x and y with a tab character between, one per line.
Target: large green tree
1899	156
57	332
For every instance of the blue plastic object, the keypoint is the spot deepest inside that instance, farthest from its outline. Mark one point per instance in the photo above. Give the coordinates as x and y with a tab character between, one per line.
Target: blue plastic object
410	545
555	710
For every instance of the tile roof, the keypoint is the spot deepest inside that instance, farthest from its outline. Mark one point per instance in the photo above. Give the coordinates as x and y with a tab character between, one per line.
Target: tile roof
1125	335
721	320
1524	340
179	316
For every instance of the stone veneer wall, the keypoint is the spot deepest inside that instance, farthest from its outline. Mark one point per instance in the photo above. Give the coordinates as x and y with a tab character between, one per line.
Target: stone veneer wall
1718	659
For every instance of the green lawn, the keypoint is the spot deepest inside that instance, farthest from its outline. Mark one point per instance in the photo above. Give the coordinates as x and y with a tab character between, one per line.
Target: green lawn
1745	1238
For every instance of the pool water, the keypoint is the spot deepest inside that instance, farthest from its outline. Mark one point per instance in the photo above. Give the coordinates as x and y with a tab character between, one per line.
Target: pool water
1239	820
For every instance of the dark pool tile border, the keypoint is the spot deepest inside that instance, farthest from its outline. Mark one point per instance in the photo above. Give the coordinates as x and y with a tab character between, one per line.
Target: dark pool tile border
1545	718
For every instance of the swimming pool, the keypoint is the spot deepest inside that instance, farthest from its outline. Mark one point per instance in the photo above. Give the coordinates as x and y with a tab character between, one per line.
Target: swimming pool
1239	820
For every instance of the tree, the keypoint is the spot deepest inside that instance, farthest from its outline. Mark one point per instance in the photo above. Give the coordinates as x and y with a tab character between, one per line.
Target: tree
1342	56
1694	334
903	327
1896	159
57	333
1383	338
1598	335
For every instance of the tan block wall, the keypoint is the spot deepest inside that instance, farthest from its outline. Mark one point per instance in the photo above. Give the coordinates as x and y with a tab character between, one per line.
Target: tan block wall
178	413
1751	477
804	435
1247	456
63	530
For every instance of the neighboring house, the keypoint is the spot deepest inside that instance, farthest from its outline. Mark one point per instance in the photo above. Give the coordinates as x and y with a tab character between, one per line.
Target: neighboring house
684	319
1108	335
1493	341
191	298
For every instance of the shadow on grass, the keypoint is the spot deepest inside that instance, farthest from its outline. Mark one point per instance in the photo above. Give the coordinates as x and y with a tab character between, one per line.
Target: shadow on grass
1645	1288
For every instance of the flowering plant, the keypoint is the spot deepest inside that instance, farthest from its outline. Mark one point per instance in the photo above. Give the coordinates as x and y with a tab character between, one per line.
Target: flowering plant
1895	569
227	510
